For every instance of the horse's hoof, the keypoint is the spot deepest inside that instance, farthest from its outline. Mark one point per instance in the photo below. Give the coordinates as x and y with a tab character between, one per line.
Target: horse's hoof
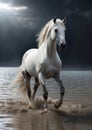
57	104
31	106
44	111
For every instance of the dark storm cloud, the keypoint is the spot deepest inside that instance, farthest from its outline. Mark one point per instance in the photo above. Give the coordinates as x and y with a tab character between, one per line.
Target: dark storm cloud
22	19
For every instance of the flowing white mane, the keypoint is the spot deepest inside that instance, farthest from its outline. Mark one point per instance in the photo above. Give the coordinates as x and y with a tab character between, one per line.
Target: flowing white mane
46	30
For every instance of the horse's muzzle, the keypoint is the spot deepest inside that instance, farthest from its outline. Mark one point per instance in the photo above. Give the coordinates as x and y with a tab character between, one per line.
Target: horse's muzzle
63	46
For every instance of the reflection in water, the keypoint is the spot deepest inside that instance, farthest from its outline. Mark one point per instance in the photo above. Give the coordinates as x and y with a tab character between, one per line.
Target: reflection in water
74	114
47	121
52	120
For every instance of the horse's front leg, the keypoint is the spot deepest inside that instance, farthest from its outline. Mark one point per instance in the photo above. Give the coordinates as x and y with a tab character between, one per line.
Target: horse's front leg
35	88
42	83
62	90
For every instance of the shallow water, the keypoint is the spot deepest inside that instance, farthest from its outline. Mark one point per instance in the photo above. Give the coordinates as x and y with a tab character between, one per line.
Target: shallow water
74	114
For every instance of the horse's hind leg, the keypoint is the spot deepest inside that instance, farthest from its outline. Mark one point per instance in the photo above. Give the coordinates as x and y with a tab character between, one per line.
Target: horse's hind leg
27	82
35	88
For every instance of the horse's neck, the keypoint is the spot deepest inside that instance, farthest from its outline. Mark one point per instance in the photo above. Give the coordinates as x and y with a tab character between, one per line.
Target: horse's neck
51	48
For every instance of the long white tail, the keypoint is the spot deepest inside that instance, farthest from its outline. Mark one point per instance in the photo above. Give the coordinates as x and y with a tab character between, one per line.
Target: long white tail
19	81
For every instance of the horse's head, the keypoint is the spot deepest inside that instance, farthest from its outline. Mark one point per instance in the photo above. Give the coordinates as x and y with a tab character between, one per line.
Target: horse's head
58	32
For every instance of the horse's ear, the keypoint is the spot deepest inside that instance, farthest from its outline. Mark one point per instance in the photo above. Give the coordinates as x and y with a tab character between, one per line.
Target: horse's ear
54	20
64	20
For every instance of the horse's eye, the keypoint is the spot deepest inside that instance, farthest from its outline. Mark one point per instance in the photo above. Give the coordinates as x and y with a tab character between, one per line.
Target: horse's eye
56	30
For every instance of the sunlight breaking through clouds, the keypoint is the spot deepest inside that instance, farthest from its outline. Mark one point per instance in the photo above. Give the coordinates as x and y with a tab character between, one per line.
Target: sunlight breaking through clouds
20	16
9	7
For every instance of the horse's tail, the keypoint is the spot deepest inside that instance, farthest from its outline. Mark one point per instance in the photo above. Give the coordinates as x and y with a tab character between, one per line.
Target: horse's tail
19	81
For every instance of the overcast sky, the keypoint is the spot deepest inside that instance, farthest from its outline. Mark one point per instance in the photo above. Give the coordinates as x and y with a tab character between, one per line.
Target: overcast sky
21	20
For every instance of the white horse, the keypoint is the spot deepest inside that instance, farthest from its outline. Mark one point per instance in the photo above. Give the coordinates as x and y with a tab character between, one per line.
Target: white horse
44	62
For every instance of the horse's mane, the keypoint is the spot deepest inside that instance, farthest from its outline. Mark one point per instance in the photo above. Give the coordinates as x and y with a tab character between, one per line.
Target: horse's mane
44	32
